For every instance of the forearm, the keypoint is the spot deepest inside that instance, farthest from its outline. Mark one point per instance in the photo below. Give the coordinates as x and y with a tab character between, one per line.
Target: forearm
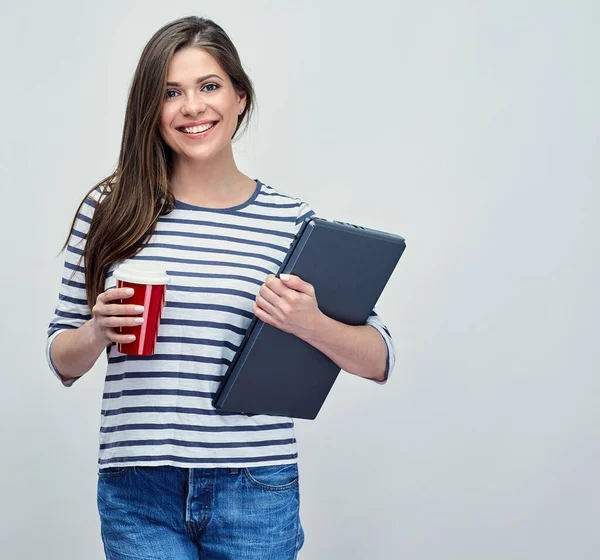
75	351
359	350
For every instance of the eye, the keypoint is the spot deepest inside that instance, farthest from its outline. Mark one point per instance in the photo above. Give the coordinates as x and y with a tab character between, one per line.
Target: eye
217	86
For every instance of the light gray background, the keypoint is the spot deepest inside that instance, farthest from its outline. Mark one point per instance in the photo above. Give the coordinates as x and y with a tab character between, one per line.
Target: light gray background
469	128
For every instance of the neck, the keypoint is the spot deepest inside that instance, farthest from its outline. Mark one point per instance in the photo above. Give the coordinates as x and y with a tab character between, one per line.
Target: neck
210	179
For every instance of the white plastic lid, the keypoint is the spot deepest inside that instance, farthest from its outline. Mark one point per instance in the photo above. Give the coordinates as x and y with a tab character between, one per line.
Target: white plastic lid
141	273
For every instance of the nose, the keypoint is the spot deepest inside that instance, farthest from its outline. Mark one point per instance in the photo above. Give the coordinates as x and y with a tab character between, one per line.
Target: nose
193	105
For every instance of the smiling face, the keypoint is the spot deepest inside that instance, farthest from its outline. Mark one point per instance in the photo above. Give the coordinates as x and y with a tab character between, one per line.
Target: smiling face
200	93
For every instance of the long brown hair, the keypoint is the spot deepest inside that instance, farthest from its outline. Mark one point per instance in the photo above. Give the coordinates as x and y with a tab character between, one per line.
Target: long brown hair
137	193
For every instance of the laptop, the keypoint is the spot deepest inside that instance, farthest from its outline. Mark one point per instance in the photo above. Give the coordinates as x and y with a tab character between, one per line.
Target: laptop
276	373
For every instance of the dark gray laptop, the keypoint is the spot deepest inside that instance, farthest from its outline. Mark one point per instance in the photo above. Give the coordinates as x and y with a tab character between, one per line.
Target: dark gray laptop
274	372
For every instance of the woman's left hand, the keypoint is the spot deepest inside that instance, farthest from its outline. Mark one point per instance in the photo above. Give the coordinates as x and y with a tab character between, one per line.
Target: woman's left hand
289	305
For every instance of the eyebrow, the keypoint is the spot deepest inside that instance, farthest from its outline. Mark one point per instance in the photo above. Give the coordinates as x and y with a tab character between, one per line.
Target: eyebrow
200	79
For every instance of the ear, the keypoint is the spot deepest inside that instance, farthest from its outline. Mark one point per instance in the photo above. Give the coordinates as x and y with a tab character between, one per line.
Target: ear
244	99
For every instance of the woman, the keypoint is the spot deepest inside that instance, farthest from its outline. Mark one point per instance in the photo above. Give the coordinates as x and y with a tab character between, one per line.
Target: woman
178	478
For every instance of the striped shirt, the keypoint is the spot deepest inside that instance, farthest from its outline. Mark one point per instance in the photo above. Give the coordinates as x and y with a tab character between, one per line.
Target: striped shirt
157	410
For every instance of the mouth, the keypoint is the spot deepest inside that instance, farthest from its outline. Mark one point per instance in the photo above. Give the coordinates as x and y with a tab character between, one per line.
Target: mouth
198	131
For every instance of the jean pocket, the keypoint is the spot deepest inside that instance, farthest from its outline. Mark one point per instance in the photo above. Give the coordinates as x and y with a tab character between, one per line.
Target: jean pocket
276	478
112	472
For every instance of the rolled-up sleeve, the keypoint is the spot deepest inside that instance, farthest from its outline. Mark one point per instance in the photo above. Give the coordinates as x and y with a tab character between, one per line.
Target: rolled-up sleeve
375	321
72	309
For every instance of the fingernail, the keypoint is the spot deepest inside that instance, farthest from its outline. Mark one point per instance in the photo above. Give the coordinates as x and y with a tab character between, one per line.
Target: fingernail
138	309
284	276
129	291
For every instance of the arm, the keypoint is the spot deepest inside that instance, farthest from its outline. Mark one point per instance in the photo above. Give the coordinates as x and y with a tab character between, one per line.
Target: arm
70	349
289	303
73	352
359	350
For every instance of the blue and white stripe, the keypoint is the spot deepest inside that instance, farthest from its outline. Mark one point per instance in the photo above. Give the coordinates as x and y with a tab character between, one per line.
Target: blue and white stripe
157	410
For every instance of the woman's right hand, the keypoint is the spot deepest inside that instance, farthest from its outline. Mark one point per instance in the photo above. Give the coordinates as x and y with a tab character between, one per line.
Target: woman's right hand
107	316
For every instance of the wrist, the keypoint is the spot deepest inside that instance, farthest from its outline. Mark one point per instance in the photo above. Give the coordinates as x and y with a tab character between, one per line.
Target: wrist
315	331
93	337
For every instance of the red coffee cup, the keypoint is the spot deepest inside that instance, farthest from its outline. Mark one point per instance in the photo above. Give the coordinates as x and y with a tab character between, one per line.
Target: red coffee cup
149	282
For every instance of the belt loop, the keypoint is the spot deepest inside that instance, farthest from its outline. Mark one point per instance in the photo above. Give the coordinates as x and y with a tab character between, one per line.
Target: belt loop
233	470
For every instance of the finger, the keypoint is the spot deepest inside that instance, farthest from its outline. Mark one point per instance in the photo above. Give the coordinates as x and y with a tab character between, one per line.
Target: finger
263	315
268	307
115	322
267	293
115	293
115	336
277	286
116	309
296	283
286	295
122	309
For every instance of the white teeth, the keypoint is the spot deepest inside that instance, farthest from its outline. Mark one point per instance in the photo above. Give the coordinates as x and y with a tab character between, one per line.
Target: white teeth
197	129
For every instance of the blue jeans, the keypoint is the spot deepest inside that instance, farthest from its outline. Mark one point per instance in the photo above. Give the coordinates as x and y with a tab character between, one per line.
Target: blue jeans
164	513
